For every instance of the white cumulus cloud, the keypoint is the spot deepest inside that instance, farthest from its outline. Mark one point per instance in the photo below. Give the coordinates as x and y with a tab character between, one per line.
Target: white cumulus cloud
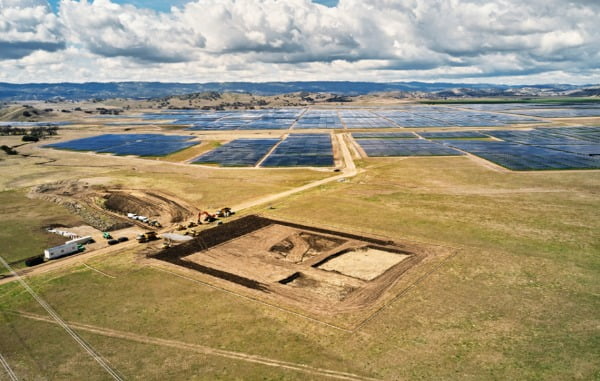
298	39
27	26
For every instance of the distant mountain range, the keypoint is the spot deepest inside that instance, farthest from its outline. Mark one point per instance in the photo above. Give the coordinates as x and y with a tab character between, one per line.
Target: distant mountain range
144	90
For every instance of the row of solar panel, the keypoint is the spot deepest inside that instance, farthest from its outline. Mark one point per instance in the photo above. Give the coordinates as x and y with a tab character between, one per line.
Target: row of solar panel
129	144
413	116
522	157
296	150
404	147
537	149
302	150
238	153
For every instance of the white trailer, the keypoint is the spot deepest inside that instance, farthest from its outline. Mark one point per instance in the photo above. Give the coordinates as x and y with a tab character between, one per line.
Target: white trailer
80	241
60	251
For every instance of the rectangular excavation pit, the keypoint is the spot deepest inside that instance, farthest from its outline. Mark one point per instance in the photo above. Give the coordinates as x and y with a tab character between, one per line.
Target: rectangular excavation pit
323	286
365	263
318	270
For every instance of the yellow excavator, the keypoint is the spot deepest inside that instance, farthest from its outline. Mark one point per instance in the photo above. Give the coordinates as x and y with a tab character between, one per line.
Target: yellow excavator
204	218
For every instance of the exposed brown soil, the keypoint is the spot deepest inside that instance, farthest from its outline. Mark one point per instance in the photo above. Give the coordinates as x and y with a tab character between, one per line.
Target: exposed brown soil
366	263
106	209
76	197
281	262
302	246
150	204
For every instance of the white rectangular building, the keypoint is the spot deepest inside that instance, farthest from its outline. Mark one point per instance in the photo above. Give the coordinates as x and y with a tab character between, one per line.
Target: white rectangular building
60	251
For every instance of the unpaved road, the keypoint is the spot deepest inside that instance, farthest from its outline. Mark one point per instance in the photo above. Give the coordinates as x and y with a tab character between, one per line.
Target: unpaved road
349	170
79	259
204	350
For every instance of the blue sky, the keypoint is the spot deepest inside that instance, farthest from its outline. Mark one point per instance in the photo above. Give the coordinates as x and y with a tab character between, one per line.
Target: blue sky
492	41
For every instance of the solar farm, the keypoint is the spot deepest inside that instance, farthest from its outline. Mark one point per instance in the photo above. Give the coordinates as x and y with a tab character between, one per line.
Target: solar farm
129	144
372	118
306	150
520	150
514	136
404	147
238	153
406	116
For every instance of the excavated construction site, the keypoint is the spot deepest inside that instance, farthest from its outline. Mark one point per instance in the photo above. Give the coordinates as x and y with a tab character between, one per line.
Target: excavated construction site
106	208
317	270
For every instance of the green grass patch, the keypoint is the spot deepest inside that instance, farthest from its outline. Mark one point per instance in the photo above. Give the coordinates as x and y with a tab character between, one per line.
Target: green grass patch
22	226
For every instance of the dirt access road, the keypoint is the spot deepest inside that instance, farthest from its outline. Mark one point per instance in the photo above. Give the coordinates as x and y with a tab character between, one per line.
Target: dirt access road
349	170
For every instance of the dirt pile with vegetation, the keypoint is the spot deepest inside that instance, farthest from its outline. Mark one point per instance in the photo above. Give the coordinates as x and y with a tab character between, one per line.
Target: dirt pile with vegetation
69	195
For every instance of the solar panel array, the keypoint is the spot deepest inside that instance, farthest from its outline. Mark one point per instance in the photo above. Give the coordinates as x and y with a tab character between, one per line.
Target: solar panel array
275	119
421	116
319	119
238	153
404	147
129	144
536	149
300	150
520	157
588	134
411	120
539	149
534	137
384	135
364	119
453	135
562	113
435	116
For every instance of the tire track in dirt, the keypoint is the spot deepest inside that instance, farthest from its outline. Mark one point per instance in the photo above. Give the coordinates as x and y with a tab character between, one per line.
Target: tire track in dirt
205	350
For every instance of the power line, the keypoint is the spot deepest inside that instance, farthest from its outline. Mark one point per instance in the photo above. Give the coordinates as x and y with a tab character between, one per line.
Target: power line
88	348
10	372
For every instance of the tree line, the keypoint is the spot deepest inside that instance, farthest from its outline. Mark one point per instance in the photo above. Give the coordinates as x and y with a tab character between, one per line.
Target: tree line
34	132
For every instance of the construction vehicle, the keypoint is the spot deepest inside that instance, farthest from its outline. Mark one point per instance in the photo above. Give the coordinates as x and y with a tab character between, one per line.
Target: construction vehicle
146	237
225	212
166	244
179	227
204	217
191	224
156	224
106	235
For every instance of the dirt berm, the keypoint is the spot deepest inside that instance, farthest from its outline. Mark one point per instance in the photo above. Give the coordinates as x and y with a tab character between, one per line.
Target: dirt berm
106	209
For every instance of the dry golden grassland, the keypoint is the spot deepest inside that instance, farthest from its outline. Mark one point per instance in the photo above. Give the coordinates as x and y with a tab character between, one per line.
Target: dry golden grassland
519	300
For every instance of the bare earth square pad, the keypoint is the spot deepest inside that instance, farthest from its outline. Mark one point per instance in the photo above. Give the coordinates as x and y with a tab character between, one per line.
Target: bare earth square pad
365	263
303	268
